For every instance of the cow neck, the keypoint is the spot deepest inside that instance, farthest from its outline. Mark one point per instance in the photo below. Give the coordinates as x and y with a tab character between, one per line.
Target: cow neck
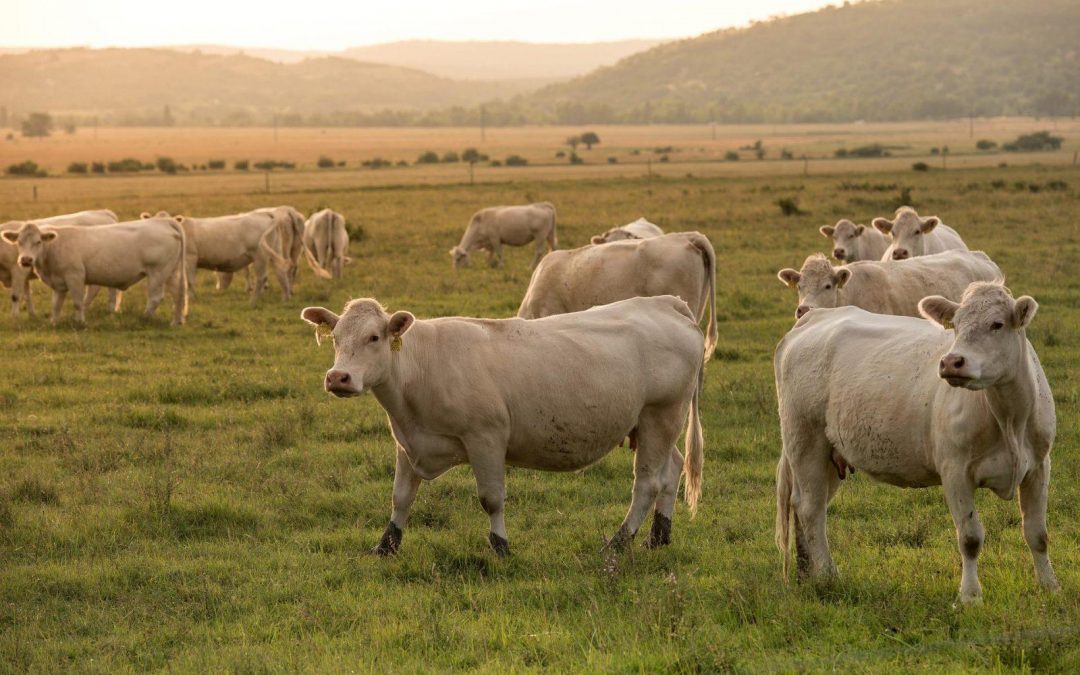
468	240
1012	403
42	263
405	368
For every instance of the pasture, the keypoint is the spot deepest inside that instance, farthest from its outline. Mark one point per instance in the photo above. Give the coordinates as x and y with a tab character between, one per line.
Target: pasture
190	499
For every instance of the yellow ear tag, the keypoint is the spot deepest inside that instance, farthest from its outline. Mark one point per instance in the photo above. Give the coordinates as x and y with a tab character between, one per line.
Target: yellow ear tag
948	324
323	331
395	343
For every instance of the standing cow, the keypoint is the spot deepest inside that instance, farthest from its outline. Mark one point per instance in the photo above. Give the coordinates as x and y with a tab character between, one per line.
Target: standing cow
492	227
681	264
17	277
886	287
68	259
639	229
326	243
912	235
287	241
852	243
913	405
555	394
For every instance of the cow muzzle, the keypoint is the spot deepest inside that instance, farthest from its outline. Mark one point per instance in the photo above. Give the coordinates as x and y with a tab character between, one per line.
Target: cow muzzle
801	311
341	384
26	261
953	368
839	253
901	254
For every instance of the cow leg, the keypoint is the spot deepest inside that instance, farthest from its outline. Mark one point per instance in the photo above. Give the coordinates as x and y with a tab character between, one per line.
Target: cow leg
29	299
91	293
541	249
57	303
177	291
489	468
660	535
1033	511
224	280
657	433
192	266
495	258
260	278
116	297
283	281
960	496
155	293
817	480
77	287
406	483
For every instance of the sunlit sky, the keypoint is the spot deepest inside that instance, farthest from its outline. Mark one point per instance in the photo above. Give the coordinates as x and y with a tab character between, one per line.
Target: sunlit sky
328	25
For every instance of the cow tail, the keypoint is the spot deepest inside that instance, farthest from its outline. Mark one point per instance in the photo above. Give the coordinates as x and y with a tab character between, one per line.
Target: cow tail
784	489
275	257
183	265
708	254
695	447
312	261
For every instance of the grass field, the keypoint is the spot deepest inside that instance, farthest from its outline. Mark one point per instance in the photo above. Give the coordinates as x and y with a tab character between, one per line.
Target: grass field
191	500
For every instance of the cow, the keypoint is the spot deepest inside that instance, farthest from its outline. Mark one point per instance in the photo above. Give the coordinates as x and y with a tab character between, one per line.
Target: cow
231	243
852	243
639	229
886	287
68	259
492	227
913	235
681	264
287	241
326	243
17	277
555	394
958	400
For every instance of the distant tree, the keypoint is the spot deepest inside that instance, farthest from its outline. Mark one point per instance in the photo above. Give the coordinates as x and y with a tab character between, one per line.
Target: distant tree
27	168
451	157
920	166
573	141
167	165
759	149
590	139
216	164
731	156
37	125
77	167
428	157
97	167
241	164
516	160
325	163
985	144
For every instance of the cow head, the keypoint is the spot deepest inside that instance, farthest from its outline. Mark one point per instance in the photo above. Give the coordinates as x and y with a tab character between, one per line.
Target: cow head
989	330
817	283
907	229
160	214
460	257
847	239
614	234
31	241
364	344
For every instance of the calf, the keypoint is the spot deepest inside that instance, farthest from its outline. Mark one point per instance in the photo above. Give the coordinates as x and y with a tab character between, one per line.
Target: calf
555	394
959	401
852	243
912	235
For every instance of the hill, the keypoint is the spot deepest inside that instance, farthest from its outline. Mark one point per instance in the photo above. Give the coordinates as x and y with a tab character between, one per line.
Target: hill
887	60
126	85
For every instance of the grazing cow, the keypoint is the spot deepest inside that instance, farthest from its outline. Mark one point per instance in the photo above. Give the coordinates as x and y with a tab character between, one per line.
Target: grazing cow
681	264
492	227
17	277
555	394
912	235
887	287
639	229
852	243
913	405
231	243
287	241
68	259
326	243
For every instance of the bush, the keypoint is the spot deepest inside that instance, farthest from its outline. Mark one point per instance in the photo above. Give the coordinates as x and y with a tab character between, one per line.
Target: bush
77	167
560	154
590	139
612	160
872	150
663	150
402	162
985	144
786	154
126	165
341	163
428	157
451	157
1036	142
216	164
731	156
516	160
789	206
472	156
97	167
935	151
271	164
574	159
325	163
27	168
376	163
241	165
840	153
167	165
496	162
37	125
920	166
664	159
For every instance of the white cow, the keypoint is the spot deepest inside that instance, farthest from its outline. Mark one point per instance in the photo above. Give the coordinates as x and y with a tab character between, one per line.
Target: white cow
68	259
912	235
852	243
287	242
492	227
326	243
639	229
555	394
913	405
681	264
887	287
17	277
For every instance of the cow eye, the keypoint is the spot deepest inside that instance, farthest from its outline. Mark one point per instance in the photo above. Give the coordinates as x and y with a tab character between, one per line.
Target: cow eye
997	325
828	286
373	338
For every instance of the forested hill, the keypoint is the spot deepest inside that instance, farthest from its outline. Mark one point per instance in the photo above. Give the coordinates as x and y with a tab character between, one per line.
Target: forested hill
876	60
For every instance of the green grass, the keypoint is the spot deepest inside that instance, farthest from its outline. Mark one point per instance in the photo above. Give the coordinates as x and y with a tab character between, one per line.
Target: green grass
190	499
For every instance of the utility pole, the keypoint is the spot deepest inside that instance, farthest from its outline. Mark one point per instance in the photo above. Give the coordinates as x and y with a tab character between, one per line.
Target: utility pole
483	123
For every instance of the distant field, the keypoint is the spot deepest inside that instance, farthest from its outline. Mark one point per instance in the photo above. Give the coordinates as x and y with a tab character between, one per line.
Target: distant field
191	500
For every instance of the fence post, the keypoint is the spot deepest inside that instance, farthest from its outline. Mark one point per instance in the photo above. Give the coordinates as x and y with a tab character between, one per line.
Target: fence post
266	181
35	192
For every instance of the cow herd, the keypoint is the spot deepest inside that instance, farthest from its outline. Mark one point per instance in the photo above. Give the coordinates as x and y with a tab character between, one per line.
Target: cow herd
908	361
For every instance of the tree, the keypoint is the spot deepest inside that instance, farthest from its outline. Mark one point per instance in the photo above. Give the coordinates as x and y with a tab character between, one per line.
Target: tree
472	156
590	139
573	141
37	125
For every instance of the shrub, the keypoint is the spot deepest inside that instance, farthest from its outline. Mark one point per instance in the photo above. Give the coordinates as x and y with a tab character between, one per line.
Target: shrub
97	167
341	163
428	157
496	162
574	159
935	151
985	144
241	165
77	167
402	162
663	150
1036	142
376	163
731	156
560	154
665	159
325	163
786	154
590	139
612	160
216	164
451	157
38	124
126	165
516	160
167	165
920	166
472	156
27	168
789	206
872	150
271	164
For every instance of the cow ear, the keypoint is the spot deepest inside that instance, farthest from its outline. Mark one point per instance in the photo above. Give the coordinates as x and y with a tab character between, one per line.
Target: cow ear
859	229
843	275
597	239
883	225
929	223
48	235
827	230
319	316
939	310
1024	311
399	323
453	251
144	215
179	219
11	236
789	277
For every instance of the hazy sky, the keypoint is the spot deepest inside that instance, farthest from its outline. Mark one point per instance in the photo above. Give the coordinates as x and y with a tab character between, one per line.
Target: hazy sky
336	24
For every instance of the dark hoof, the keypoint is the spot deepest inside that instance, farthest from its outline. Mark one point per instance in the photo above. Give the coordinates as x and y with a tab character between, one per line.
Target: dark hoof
620	541
390	542
499	545
660	535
